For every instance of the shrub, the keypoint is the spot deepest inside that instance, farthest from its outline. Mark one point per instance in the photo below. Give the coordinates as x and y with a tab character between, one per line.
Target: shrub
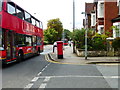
116	43
99	42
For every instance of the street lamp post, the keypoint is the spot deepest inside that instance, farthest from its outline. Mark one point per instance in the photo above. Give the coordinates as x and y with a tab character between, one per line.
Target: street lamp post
86	27
86	44
73	24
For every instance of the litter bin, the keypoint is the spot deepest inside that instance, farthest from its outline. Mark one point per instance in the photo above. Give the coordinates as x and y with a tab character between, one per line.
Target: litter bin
60	49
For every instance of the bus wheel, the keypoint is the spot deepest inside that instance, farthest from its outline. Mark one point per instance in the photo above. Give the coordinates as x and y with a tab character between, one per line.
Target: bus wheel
20	56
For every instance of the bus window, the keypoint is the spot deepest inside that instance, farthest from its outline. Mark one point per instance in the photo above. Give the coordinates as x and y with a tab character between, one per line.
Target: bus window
38	41
20	40
28	41
37	24
11	8
34	40
33	21
41	26
27	17
0	5
20	13
1	39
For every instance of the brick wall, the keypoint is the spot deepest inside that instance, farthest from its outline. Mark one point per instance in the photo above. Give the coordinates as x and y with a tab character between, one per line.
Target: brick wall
110	12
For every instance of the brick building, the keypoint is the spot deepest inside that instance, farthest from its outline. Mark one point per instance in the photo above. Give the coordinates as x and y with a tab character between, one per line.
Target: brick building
102	15
116	22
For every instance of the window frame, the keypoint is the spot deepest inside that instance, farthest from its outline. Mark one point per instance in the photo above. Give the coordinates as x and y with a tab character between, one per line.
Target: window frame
30	44
25	12
1	4
20	9
2	46
17	35
13	5
32	21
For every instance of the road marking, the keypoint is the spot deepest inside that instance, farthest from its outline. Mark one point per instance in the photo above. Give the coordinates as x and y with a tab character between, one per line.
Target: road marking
44	84
28	86
46	79
34	79
39	73
69	76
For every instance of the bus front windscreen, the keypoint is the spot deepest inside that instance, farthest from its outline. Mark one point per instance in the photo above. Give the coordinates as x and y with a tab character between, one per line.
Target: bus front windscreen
1	40
0	5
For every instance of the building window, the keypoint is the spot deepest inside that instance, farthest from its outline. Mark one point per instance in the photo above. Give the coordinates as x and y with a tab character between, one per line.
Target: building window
116	32
119	7
100	29
100	9
93	20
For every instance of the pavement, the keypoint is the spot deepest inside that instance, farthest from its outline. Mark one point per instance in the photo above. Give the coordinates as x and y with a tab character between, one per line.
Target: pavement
71	58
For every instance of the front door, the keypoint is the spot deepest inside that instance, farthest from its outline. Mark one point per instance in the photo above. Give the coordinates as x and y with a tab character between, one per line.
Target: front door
10	45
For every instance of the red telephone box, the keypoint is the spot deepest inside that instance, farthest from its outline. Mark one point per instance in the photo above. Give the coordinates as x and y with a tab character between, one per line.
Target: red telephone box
60	49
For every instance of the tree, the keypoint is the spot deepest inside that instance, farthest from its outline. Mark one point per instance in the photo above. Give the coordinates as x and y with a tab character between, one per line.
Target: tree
50	34
79	37
56	24
67	34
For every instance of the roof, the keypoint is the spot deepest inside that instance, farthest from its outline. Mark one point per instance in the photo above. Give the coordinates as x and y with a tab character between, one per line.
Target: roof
89	7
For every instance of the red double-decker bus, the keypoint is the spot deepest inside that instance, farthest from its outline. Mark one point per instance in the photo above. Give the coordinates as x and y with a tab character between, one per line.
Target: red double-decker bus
21	34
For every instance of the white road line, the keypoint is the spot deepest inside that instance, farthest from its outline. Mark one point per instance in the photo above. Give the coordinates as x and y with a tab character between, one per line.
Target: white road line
80	76
34	79
44	84
39	73
46	79
43	69
28	86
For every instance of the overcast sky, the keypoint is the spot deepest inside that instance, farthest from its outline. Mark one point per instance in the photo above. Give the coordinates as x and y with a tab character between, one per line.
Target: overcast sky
51	9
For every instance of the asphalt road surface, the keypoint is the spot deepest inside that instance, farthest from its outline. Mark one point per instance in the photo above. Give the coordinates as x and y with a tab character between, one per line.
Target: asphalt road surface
37	73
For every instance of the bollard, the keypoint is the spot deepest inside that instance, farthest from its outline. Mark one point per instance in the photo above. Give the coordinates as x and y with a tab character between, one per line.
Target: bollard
60	49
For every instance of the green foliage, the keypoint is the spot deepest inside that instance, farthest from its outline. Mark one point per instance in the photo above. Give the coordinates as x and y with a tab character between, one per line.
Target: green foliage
50	35
96	42
67	34
116	43
99	42
56	24
79	37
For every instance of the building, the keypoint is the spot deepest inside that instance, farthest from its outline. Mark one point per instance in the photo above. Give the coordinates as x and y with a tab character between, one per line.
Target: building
88	9
101	15
116	22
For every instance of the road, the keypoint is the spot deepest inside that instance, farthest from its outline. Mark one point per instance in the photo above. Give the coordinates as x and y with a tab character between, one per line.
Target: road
37	73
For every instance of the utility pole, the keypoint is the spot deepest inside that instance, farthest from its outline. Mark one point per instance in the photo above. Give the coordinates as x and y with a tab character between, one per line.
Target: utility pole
86	31
73	24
